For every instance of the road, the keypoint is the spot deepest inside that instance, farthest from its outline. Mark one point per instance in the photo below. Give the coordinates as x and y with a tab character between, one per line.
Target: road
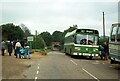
59	66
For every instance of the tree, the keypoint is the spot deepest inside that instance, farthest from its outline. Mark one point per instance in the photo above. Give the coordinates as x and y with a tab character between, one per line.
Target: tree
38	43
26	30
57	35
47	38
11	32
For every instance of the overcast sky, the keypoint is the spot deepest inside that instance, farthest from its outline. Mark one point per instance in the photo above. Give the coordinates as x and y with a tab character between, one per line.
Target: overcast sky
52	15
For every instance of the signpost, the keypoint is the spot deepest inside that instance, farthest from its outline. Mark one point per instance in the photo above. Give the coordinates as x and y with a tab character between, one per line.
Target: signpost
30	39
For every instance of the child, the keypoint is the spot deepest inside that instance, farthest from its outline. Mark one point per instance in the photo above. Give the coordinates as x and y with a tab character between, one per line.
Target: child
22	52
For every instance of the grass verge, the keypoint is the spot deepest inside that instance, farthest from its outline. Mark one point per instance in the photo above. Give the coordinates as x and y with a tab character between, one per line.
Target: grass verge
42	51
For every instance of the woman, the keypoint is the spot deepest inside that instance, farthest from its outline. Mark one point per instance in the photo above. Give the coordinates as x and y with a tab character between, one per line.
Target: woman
17	48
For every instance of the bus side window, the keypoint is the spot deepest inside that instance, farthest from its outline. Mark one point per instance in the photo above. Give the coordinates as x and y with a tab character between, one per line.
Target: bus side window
118	34
74	39
113	34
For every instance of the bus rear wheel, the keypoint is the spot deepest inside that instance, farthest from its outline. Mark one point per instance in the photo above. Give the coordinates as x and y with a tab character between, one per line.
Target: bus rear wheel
112	61
65	52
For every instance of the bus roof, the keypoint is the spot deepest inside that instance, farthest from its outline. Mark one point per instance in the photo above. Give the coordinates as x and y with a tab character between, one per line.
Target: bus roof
118	23
80	31
70	33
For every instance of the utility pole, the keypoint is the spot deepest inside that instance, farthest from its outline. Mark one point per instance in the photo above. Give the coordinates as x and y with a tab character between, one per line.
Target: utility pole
103	26
35	39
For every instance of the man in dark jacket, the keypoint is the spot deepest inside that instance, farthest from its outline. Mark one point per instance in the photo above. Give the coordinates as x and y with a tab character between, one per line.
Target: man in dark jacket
14	42
106	50
10	48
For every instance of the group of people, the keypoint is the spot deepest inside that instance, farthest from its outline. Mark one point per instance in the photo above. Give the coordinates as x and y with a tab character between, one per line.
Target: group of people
104	52
85	42
21	50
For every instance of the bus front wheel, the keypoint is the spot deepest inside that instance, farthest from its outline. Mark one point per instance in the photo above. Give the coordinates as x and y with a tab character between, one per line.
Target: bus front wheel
90	57
112	61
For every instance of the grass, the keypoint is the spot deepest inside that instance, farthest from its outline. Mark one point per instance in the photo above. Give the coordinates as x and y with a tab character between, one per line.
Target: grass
42	51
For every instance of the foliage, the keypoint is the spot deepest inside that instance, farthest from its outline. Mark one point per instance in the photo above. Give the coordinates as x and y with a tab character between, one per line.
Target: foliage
47	38
11	32
57	35
38	43
43	52
26	30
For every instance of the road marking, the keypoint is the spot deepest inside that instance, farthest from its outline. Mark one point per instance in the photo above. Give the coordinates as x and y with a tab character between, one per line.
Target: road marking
73	62
37	72
90	74
36	78
38	67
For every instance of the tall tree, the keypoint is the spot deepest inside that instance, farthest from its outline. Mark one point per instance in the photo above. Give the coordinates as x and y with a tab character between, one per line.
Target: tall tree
47	38
26	30
57	36
11	32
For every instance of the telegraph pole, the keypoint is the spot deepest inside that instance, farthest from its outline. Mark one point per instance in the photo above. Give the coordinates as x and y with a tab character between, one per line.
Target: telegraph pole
35	39
103	26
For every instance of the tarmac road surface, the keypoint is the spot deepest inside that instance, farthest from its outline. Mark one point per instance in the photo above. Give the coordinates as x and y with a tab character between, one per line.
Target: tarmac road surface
59	66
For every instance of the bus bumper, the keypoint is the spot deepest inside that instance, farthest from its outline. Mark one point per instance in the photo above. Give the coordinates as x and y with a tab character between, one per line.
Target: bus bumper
85	54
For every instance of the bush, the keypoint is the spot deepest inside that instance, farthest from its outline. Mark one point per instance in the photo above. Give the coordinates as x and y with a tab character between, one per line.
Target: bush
38	43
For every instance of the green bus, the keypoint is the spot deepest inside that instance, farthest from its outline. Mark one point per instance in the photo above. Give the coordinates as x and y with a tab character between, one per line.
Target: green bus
82	42
114	43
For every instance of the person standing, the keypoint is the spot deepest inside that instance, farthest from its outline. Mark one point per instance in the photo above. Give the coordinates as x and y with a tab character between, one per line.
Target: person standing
14	42
106	50
3	47
102	54
17	49
27	51
10	48
22	43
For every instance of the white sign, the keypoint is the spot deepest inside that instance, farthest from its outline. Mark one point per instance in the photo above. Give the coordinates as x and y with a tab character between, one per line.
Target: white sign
30	38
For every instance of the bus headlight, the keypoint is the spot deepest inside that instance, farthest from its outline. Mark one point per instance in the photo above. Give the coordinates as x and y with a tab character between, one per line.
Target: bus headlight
86	49
77	48
95	50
